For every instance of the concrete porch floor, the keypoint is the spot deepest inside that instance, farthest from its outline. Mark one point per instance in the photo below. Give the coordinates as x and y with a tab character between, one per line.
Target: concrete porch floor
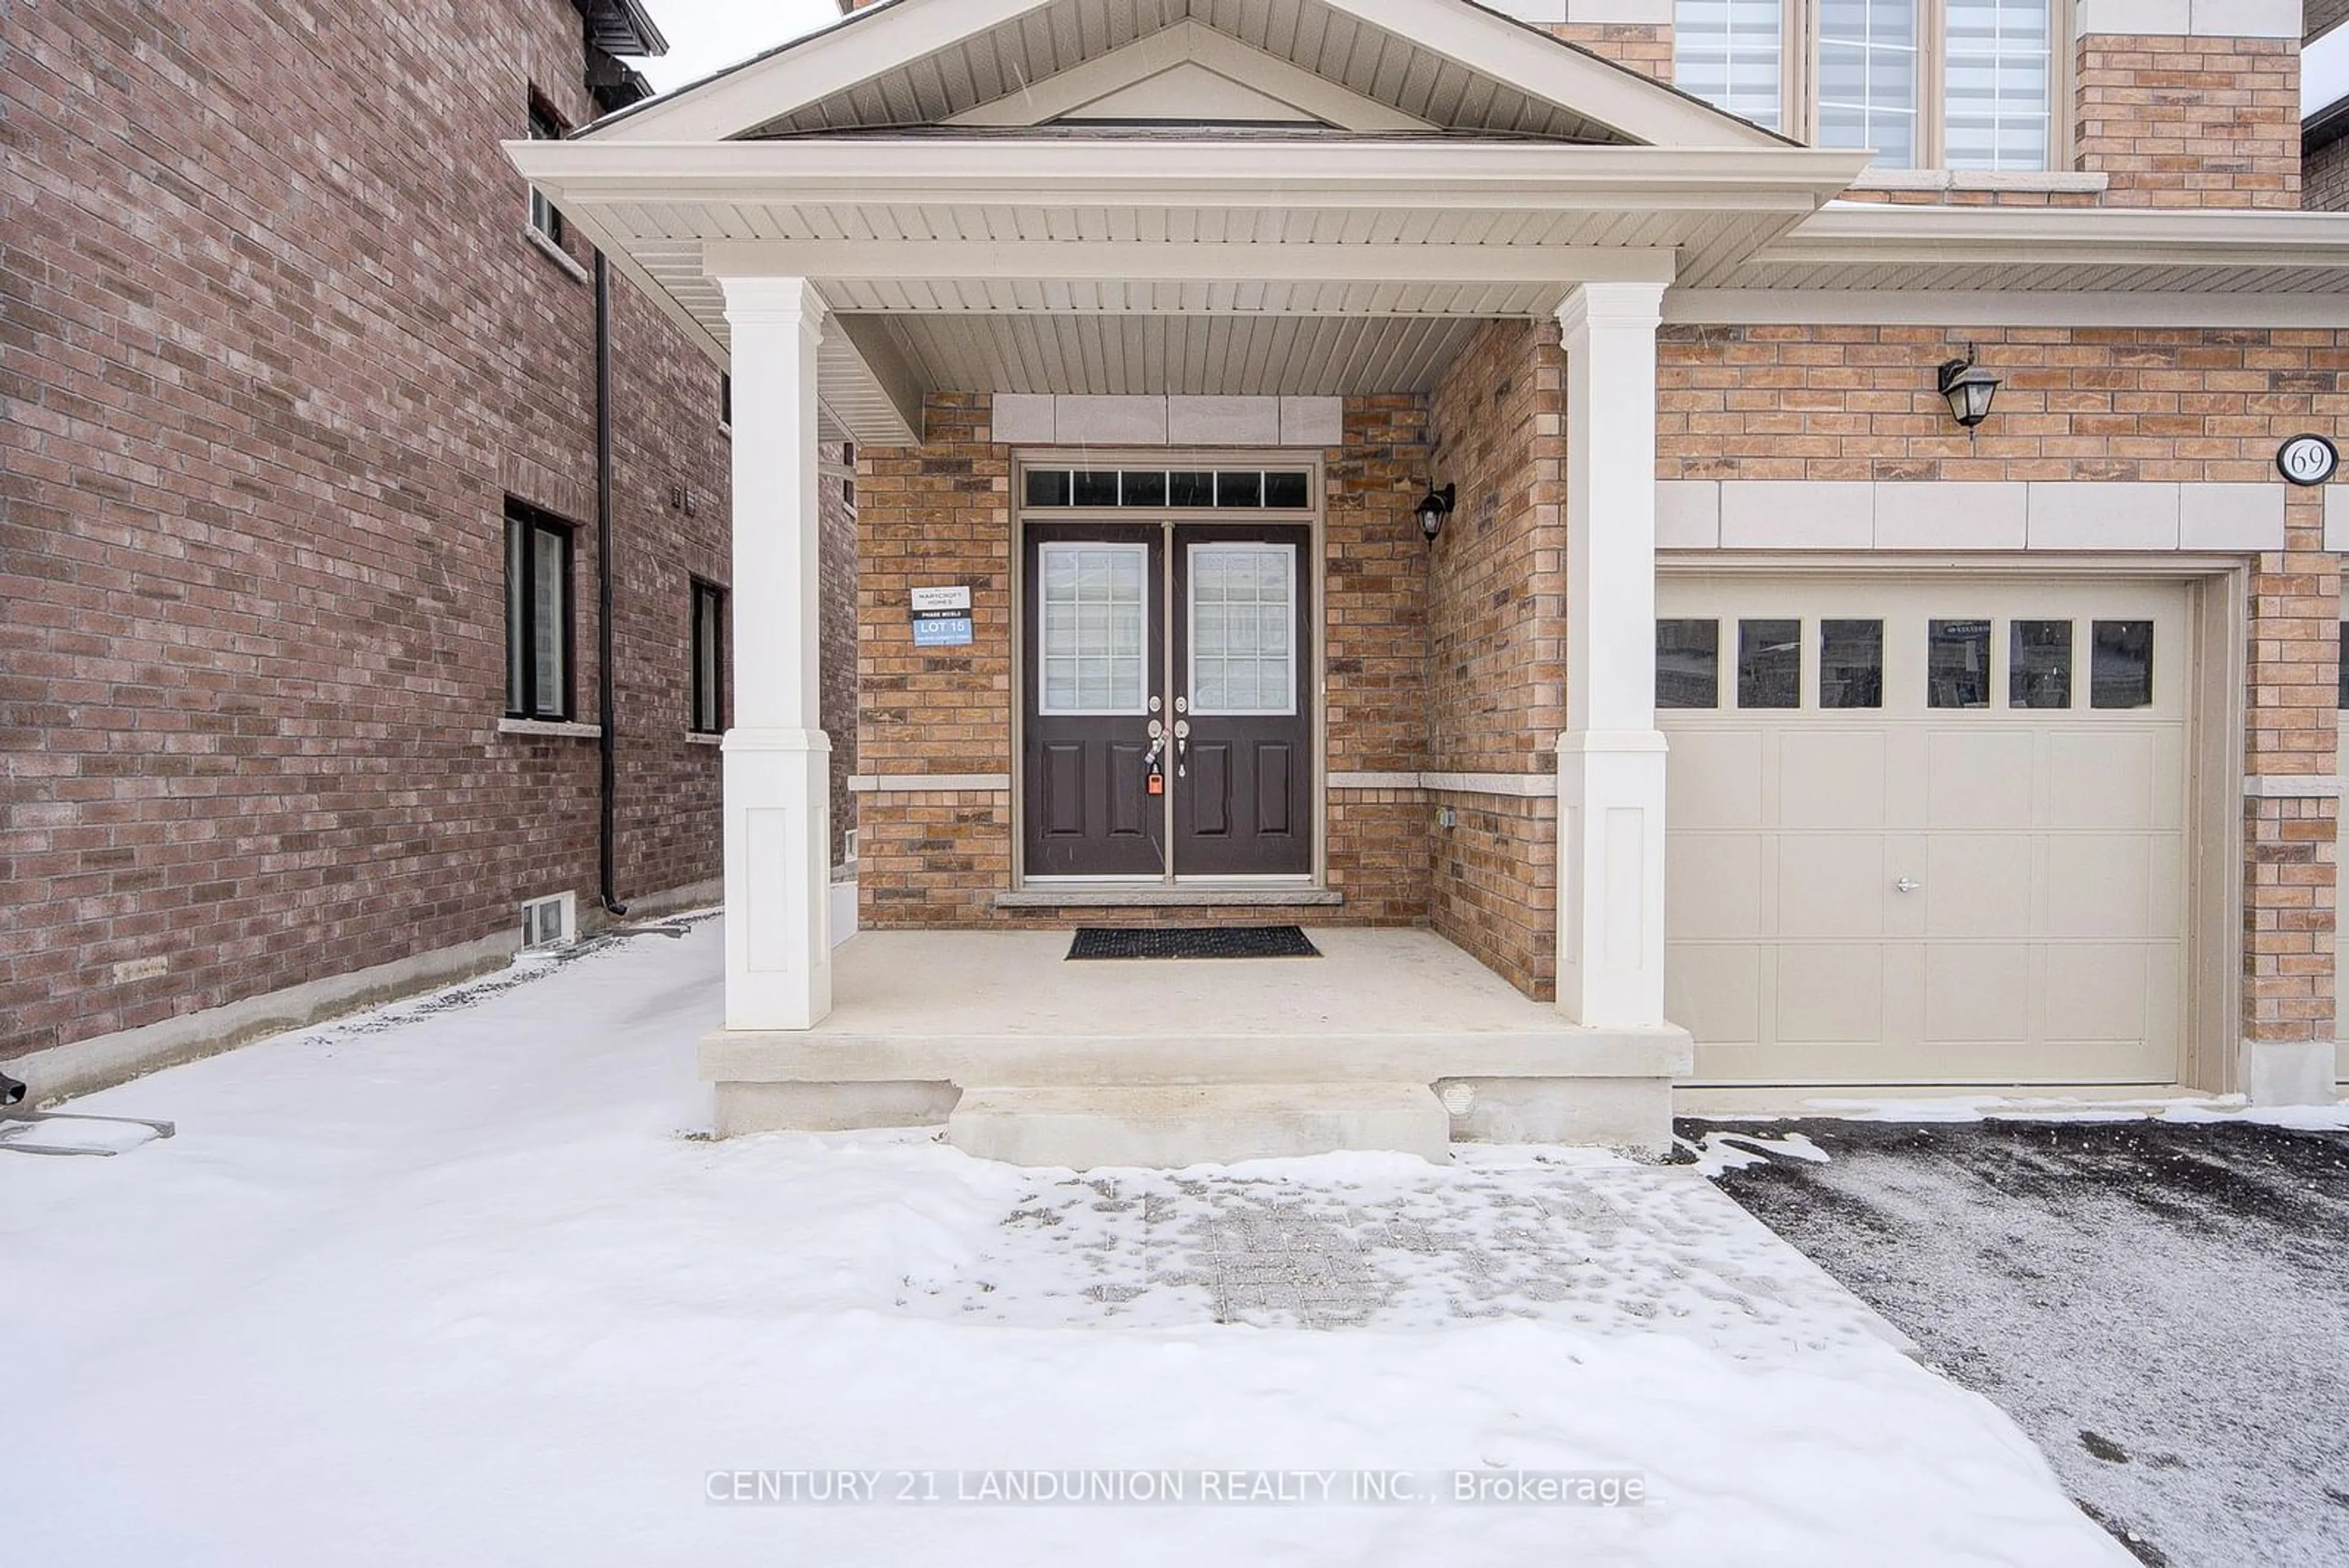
1390	1039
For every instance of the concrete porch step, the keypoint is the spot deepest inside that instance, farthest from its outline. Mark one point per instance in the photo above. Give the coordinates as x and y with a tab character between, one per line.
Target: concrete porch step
1170	1125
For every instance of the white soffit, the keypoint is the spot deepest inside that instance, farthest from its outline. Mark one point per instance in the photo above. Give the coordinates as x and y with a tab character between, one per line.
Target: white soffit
1183	355
923	62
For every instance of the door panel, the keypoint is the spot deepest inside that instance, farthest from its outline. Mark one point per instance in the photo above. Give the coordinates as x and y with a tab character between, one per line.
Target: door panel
1242	628
1094	659
1965	864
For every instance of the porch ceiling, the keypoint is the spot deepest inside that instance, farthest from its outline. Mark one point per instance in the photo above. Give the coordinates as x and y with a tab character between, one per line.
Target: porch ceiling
1300	265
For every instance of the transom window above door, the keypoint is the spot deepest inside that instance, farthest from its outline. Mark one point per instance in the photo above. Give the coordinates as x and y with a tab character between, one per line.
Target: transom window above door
1175	490
1926	84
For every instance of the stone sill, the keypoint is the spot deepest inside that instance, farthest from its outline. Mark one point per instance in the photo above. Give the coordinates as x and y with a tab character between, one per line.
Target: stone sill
546	729
700	738
1157	897
554	253
2048	182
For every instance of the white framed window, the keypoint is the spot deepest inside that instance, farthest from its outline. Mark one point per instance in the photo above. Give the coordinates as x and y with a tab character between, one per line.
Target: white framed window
1926	84
545	125
1733	53
1867	77
1093	629
1999	84
1243	641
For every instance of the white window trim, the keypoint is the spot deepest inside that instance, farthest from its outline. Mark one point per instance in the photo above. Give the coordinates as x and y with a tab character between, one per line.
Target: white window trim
1044	710
1288	554
547	247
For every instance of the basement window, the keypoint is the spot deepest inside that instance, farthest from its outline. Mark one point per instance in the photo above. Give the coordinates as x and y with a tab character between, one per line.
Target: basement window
538	614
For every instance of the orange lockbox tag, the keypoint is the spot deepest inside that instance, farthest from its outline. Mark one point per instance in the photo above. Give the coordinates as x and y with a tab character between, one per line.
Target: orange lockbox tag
1157	783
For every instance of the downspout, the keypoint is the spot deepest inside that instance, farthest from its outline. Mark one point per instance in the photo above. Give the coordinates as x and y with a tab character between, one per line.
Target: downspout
606	716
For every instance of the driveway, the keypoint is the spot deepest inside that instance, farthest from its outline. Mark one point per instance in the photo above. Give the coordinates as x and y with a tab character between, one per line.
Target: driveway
2164	1307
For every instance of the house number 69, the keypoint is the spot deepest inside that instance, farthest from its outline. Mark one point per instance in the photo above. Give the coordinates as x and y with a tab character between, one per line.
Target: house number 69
2308	459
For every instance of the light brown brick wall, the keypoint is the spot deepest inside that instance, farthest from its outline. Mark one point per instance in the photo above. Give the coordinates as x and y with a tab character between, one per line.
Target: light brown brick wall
1645	47
939	514
273	350
2192	122
1496	628
2077	403
2291	898
838	630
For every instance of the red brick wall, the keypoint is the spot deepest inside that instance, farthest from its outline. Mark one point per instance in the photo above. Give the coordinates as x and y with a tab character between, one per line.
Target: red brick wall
273	350
2192	122
2324	177
1496	613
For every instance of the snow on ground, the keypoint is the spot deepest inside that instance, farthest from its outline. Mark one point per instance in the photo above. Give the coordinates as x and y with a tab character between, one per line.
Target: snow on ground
454	1283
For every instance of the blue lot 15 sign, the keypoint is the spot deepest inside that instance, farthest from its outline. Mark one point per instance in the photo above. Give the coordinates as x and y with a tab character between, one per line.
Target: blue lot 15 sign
941	617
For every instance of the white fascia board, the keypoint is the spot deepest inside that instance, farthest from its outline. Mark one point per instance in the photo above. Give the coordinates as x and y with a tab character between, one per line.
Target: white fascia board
1634	104
1189	41
1182	262
1124	172
1987	309
1870	232
856	49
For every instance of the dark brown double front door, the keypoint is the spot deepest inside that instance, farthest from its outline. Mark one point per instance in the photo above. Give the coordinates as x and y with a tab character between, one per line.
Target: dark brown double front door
1168	700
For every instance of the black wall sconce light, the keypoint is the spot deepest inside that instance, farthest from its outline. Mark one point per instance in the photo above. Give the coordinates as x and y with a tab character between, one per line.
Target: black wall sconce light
1969	387
1433	510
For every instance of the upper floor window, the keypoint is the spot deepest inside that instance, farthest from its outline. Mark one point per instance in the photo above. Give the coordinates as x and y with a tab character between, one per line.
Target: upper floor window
545	125
1732	52
1925	84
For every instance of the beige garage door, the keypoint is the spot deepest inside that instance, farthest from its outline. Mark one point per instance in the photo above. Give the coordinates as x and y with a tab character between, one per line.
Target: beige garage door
1931	831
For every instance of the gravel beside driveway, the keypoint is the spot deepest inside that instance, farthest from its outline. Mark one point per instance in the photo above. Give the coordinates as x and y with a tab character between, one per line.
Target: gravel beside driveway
2164	1307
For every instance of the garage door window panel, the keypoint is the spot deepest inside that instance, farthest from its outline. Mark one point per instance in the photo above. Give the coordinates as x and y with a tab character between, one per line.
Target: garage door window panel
2121	665
1957	664
1688	664
1851	664
2039	664
1770	664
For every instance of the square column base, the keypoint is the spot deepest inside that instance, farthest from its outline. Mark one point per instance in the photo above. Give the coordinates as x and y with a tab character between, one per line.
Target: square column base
778	878
2288	1073
1610	926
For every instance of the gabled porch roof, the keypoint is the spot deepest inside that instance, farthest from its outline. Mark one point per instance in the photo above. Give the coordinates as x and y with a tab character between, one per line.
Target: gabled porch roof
1361	184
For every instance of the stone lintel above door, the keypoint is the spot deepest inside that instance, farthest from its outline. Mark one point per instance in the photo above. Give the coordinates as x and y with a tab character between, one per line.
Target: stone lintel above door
1043	419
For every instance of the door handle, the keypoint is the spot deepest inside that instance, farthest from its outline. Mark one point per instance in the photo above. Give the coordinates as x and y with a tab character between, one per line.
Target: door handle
1906	885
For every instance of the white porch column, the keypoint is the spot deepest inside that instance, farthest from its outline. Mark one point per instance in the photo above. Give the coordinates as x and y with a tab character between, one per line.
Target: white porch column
1610	761
778	759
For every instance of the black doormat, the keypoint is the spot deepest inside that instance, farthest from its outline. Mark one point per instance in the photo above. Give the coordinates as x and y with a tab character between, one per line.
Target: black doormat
1192	942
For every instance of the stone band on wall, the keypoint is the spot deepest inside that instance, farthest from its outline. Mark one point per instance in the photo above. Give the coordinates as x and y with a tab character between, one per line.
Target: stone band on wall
1961	515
